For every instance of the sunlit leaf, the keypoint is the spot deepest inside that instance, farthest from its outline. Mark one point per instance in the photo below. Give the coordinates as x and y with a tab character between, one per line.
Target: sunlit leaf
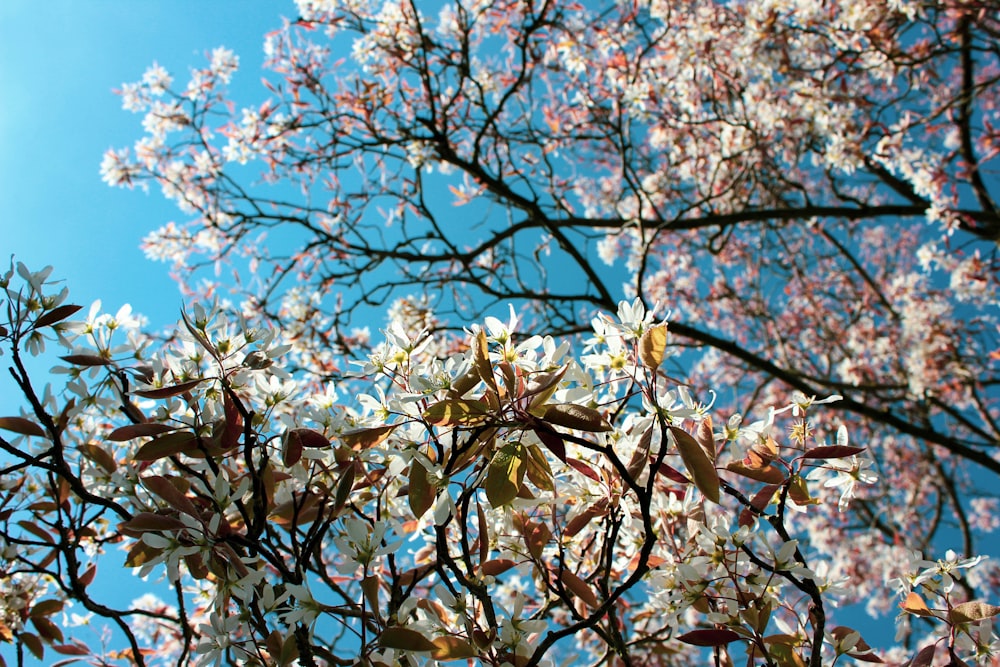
498	566
368	437
404	639
701	468
970	612
652	346
457	412
579	588
767	474
453	648
578	417
421	493
505	475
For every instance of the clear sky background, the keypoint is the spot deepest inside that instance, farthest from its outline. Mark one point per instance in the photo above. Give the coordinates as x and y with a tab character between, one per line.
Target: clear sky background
59	63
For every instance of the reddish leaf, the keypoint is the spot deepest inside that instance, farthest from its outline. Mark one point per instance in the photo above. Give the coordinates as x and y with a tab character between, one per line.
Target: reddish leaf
767	474
86	360
56	315
481	359
498	566
165	489
71	649
671	473
48	630
368	437
552	441
148	521
100	456
924	657
172	390
169	444
709	637
579	588
123	433
832	452
578	417
697	462
33	643
38	532
22	426
453	648
584	469
405	639
46	608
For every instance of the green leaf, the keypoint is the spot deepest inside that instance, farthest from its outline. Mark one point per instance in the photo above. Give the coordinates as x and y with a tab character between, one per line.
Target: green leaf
505	475
702	470
421	493
457	412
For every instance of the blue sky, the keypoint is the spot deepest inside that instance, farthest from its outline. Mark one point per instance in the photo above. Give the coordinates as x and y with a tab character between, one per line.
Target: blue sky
59	62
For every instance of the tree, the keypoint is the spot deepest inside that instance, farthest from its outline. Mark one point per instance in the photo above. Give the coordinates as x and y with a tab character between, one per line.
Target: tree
806	186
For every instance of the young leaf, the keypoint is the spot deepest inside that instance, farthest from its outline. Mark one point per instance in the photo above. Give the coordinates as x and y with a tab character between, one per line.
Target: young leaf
453	648
579	588
768	474
457	412
131	431
915	604
172	390
578	417
702	470
22	426
404	639
970	612
505	475
652	346
709	637
56	315
832	452
85	360
421	493
368	437
169	444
